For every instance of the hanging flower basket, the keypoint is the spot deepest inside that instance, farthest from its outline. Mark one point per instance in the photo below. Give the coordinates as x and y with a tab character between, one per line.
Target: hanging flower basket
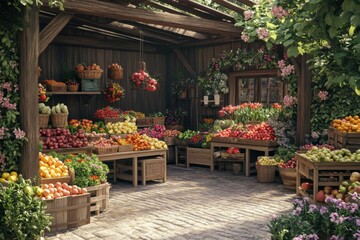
142	80
114	92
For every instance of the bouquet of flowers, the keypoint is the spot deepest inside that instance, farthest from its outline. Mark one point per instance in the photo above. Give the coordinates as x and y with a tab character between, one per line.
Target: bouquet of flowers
143	80
114	92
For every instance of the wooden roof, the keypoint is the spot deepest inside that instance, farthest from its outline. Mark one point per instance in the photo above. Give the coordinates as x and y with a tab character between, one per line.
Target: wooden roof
163	23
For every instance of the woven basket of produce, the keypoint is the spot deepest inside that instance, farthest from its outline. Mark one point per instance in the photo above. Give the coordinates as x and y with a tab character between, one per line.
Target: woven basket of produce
116	74
91	74
106	150
73	87
57	88
265	173
159	120
44	120
288	177
59	120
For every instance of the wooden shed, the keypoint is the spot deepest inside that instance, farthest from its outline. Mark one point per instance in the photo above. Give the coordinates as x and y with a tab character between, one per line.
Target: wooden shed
176	37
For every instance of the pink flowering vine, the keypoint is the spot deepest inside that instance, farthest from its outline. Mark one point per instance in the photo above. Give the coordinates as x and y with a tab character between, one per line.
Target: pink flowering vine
262	33
245	37
323	95
7	104
2	132
19	134
279	12
286	70
289	101
315	135
6	86
248	14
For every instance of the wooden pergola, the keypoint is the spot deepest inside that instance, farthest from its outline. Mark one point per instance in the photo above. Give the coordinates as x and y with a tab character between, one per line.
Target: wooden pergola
175	25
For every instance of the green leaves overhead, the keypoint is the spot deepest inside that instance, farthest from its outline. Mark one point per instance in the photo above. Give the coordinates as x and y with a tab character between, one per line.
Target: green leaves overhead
327	29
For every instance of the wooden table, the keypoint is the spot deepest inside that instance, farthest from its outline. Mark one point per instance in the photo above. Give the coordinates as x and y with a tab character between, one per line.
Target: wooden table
248	148
87	150
134	155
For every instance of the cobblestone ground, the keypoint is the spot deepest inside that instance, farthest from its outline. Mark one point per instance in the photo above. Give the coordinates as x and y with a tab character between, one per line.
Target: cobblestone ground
192	204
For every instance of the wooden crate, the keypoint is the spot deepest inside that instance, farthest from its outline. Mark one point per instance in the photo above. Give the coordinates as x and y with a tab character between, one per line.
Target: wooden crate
331	136
106	150
322	173
158	120
223	139
99	197
349	141
146	121
67	179
170	140
90	85
252	142
199	156
68	212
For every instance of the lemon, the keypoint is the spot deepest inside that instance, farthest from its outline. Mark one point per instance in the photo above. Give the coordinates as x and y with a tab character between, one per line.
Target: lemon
2	180
13	173
12	179
5	175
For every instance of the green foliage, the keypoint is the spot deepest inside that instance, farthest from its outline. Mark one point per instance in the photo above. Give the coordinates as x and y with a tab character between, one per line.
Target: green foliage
327	29
285	153
22	215
89	170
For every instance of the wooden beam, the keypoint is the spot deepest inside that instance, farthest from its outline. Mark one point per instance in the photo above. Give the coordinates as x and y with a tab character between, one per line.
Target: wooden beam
102	9
185	63
196	12
100	43
52	30
180	31
247	2
164	7
212	11
29	54
230	5
304	102
208	42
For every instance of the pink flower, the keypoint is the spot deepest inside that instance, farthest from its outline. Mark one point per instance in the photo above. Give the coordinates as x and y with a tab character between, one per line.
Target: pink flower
1	97
315	135
19	134
13	64
286	70
281	64
245	37
323	95
16	87
248	15
6	104
289	101
262	33
279	12
6	86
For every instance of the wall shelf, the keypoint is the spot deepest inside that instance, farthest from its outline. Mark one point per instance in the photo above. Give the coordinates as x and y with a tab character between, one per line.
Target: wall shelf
72	93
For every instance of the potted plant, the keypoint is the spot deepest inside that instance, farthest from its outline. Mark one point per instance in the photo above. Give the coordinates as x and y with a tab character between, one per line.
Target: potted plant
180	86
175	118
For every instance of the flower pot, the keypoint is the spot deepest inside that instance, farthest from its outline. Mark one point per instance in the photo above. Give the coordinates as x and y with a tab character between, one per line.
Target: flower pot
206	100
217	99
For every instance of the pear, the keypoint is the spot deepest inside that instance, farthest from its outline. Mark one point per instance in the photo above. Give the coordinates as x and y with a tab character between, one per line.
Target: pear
355	176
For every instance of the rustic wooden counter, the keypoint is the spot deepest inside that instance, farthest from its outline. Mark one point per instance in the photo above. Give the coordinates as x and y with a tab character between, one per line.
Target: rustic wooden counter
134	155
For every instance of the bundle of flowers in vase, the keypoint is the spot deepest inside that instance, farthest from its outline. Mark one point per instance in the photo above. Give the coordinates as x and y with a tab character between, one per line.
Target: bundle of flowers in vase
114	92
142	80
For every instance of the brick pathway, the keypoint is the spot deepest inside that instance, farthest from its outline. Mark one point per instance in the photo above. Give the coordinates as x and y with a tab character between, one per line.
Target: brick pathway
192	204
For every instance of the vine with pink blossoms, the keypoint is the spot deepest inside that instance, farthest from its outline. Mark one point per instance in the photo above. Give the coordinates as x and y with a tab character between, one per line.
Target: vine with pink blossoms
11	136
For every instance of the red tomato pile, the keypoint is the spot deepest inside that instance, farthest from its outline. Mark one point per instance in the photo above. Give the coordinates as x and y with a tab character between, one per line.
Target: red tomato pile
51	191
262	131
230	133
233	150
290	164
107	112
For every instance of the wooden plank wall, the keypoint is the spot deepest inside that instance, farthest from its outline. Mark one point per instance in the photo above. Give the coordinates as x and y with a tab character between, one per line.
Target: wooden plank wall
55	57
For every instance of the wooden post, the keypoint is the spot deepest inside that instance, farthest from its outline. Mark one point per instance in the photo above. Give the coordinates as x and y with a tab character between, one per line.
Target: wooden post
304	102
29	47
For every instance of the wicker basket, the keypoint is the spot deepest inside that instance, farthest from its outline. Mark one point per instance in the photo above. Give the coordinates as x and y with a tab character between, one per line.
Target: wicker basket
73	88
169	140
59	120
116	74
55	88
106	150
146	121
112	120
159	120
44	120
288	177
181	142
91	74
265	173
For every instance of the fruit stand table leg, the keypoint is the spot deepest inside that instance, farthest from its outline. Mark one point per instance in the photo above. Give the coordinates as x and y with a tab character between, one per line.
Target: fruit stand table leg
115	169
298	177
212	158
134	171
315	184
165	161
176	156
266	153
247	162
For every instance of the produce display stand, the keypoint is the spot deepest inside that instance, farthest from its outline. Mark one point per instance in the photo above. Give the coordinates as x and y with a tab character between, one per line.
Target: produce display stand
266	147
68	212
322	174
99	197
200	156
180	153
170	142
87	150
135	156
339	139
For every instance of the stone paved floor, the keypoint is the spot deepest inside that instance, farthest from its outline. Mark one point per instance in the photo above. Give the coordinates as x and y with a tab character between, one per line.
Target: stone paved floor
192	204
